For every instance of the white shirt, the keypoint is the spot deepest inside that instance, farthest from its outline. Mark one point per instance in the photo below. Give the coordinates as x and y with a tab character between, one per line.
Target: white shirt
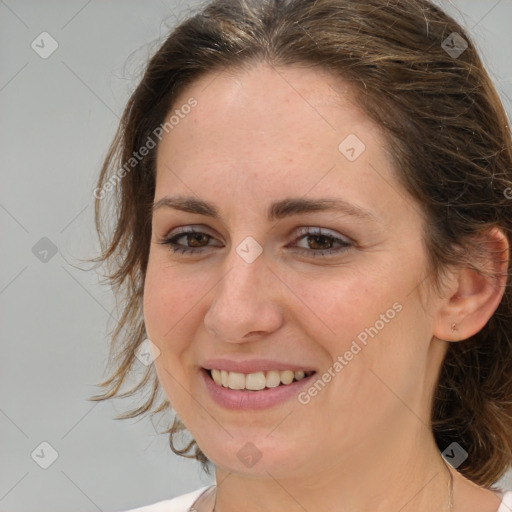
184	502
181	503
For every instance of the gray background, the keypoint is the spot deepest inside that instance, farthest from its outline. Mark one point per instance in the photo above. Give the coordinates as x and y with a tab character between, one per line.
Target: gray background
58	117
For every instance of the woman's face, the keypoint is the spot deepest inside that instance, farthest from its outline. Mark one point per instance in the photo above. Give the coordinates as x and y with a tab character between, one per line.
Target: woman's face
260	295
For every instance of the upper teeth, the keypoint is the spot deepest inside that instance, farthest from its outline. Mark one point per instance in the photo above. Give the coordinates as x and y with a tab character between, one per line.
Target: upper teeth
255	381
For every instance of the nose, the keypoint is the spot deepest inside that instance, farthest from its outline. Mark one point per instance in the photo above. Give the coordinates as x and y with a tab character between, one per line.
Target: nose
245	303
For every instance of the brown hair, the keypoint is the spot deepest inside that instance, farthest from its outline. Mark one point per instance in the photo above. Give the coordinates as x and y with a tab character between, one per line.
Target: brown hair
450	141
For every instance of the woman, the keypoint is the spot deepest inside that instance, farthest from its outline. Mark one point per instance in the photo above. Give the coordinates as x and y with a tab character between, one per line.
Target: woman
312	236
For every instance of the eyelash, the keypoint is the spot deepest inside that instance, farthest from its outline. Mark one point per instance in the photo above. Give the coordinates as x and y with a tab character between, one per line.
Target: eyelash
304	233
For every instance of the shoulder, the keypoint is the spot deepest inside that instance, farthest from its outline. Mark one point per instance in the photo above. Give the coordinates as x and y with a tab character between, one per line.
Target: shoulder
506	503
179	504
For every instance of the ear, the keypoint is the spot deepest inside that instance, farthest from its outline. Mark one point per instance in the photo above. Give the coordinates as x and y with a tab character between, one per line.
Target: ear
470	297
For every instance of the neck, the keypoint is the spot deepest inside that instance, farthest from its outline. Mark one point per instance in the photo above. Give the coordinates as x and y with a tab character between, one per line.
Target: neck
407	475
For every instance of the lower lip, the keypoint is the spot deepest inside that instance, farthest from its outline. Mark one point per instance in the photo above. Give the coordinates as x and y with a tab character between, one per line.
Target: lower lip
240	399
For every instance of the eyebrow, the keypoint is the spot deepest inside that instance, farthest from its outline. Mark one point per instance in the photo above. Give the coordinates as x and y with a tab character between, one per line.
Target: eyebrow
276	210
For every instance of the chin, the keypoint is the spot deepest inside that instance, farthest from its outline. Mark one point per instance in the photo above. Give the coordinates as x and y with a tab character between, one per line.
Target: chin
256	458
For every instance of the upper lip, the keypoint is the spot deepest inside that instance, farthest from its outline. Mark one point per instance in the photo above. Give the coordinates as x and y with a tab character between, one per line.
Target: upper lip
253	365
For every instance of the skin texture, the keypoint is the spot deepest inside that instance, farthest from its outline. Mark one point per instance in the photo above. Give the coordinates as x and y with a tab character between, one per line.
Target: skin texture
363	443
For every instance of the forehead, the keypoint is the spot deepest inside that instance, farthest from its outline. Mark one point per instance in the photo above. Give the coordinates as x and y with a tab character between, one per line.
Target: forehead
265	107
274	107
266	131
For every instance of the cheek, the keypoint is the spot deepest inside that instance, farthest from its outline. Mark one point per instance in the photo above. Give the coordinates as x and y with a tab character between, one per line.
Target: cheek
367	317
337	306
167	302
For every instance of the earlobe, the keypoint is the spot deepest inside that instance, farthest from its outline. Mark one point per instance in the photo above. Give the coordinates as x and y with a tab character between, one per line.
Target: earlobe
472	297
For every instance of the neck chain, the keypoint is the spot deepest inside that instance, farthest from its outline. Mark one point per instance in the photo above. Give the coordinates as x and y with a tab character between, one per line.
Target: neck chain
450	485
450	491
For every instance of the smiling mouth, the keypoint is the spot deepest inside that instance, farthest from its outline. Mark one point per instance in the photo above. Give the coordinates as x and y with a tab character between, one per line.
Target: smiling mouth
256	381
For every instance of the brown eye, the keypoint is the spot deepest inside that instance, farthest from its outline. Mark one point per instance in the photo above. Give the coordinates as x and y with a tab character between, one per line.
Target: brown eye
196	239
319	243
192	241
